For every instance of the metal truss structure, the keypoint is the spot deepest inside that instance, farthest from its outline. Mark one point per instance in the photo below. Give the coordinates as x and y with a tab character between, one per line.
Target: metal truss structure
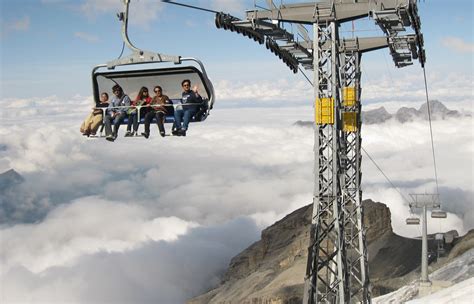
337	266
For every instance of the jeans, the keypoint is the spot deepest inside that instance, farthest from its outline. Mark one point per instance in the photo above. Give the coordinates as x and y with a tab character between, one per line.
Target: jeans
182	117
132	119
159	121
115	121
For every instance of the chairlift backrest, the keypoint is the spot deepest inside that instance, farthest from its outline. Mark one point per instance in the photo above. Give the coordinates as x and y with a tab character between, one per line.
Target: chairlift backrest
438	214
413	221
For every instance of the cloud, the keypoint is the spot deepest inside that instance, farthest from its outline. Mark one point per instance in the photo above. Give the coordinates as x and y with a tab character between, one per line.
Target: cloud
139	219
263	93
457	44
403	151
86	37
65	234
109	270
142	13
407	88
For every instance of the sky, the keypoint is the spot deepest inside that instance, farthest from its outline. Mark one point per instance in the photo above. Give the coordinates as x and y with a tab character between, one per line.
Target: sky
158	220
49	47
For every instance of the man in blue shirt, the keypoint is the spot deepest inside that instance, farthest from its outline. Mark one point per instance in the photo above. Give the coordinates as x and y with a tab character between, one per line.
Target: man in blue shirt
116	112
190	101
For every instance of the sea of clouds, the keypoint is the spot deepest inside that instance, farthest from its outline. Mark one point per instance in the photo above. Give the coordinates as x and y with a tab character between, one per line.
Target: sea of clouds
157	220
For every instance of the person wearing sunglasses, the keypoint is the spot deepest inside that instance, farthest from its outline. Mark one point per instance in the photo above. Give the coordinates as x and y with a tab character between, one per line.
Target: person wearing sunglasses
159	108
142	99
190	101
116	112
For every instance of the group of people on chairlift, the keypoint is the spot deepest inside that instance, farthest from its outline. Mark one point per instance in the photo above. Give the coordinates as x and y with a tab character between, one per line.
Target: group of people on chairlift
157	107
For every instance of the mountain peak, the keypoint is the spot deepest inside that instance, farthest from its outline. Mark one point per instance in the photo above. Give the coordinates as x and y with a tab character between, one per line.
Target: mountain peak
10	178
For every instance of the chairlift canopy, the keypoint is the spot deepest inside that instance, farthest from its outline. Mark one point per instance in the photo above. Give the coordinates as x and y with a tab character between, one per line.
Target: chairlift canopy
168	78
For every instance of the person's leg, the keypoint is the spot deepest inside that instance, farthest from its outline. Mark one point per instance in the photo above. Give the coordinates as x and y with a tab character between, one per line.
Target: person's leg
178	116
108	125
82	129
96	123
87	124
129	124
135	122
188	114
117	121
148	118
160	116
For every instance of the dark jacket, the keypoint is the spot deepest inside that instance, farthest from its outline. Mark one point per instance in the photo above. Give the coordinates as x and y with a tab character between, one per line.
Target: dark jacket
190	97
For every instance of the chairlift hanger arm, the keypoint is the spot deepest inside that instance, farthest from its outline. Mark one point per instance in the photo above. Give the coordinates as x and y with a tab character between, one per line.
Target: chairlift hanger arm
138	56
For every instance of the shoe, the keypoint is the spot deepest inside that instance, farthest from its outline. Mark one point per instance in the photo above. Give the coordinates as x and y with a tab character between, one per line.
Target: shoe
182	132
135	133
163	134
128	134
146	135
175	132
110	138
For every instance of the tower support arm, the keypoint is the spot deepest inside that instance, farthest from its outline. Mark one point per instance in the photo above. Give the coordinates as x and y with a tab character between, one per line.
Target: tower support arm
326	11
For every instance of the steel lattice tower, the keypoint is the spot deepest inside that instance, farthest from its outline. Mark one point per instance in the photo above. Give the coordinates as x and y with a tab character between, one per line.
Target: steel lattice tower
337	266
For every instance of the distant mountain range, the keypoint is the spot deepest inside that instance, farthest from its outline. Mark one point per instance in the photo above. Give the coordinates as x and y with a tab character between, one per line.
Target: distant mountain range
380	115
404	114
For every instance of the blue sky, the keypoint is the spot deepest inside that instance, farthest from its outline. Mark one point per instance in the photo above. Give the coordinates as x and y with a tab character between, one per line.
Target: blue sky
48	47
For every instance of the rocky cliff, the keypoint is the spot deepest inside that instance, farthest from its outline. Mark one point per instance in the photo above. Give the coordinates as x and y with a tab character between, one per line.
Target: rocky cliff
272	269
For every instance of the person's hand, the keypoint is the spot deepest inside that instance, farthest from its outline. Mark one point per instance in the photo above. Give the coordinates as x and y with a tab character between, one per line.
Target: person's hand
195	89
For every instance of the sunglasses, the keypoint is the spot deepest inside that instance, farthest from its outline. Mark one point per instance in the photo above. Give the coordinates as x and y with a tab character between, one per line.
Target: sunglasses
186	85
156	91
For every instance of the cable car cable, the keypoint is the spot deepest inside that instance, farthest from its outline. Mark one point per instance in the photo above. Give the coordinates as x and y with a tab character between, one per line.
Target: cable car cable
431	131
302	72
386	177
190	6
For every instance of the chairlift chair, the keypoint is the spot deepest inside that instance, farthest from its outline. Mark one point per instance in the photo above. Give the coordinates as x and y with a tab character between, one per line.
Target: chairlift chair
438	214
413	221
144	68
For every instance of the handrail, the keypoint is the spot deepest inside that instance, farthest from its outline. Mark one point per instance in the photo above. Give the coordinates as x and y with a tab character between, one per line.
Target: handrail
105	109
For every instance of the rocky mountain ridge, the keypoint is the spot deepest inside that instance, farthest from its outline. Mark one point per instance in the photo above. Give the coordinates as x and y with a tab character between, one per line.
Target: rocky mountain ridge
404	114
272	270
